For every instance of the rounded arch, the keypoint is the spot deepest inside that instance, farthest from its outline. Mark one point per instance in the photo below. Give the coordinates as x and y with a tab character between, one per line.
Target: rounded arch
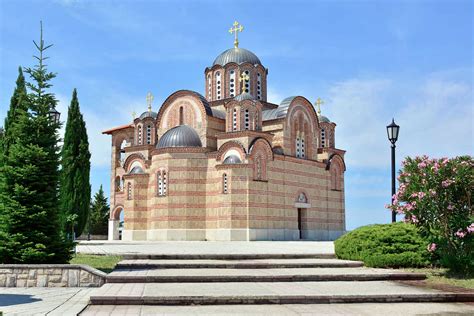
336	159
132	158
261	143
115	214
301	196
302	102
228	146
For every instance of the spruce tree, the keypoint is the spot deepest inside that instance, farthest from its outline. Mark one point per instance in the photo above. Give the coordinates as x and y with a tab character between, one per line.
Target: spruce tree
99	216
75	189
30	176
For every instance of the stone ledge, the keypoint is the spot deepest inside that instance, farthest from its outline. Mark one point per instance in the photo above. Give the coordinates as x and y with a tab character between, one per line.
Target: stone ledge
50	275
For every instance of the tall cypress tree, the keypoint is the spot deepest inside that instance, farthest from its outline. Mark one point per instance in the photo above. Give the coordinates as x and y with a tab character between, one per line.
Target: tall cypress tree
75	189
99	217
30	176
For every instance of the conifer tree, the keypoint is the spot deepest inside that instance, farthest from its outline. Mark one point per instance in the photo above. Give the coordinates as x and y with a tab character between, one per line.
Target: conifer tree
99	216
75	189
30	176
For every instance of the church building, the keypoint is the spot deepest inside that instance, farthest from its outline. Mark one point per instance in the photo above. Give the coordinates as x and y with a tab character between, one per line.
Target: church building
227	165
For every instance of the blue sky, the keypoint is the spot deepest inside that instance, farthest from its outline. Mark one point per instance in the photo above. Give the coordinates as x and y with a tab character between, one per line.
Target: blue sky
370	61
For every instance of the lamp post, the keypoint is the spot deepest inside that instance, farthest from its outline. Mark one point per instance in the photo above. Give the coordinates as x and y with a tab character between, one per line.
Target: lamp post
54	116
392	133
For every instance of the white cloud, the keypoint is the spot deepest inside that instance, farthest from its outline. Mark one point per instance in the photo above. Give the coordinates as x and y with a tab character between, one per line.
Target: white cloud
435	115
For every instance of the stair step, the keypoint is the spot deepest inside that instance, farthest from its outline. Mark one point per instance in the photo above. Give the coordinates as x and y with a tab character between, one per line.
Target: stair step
268	293
229	256
237	264
257	275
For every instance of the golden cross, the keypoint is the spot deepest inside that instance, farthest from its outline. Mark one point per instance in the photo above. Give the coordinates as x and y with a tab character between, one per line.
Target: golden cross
318	103
243	77
235	30
149	100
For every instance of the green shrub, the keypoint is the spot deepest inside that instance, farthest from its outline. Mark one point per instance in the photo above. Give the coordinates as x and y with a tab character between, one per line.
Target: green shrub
384	245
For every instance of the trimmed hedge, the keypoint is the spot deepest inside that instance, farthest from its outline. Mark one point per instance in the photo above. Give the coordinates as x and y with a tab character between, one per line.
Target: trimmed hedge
384	245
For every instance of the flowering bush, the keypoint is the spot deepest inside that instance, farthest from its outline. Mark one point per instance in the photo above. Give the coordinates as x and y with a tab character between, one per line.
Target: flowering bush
436	195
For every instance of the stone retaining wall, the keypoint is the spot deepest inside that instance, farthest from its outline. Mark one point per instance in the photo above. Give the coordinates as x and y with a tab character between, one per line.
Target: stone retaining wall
50	275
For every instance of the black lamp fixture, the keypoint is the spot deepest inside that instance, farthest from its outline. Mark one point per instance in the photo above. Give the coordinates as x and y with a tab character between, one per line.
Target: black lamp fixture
54	116
392	133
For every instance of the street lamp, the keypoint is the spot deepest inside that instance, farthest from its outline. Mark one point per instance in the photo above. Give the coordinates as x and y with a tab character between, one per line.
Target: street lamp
54	116
392	133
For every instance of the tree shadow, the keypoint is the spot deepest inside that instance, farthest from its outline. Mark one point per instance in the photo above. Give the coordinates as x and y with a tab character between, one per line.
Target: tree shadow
17	299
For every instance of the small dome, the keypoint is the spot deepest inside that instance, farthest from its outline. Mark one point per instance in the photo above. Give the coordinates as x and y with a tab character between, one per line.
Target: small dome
180	136
236	55
148	114
323	119
231	160
244	96
136	170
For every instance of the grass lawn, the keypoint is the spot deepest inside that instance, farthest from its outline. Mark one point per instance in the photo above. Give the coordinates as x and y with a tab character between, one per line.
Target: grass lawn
103	263
442	277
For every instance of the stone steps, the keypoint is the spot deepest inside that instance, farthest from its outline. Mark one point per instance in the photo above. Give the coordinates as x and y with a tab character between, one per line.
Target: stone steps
206	275
268	293
236	264
227	256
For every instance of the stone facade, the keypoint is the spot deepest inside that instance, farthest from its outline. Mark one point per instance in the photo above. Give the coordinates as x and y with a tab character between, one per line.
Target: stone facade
242	169
50	275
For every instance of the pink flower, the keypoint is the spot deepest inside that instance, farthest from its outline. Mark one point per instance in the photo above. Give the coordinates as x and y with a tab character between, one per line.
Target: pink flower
414	219
432	192
460	234
446	183
450	207
422	165
470	228
421	195
431	247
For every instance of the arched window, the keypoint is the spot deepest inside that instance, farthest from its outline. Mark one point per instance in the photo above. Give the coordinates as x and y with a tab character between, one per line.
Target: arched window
257	128
118	184
225	187
302	145
234	120
259	86
181	115
121	154
209	86
247	119
129	191
148	134
162	182
298	146
218	85
139	135
247	81
232	83
323	137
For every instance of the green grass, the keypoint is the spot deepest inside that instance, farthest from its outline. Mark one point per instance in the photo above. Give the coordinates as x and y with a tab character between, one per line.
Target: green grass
103	263
443	277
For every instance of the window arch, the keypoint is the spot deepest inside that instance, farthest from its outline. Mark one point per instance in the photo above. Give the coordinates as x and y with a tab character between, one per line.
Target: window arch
234	119
139	135
247	119
232	83
148	134
218	85
225	184
129	191
259	86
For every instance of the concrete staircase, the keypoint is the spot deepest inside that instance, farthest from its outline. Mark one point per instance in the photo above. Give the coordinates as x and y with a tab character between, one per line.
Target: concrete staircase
256	280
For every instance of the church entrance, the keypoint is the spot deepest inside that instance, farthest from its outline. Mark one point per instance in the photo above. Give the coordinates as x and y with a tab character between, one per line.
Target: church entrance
116	224
300	222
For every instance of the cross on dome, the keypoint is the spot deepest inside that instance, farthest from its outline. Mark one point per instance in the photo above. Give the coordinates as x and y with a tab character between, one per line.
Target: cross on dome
318	103
149	100
235	29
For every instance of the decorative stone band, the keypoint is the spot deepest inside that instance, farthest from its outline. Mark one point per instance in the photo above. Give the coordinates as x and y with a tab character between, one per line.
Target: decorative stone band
50	275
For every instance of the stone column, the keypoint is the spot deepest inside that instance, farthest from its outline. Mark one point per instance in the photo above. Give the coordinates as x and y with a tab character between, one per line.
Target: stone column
114	229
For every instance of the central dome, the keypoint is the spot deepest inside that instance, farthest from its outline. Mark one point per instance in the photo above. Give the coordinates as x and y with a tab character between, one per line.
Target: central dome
236	55
180	136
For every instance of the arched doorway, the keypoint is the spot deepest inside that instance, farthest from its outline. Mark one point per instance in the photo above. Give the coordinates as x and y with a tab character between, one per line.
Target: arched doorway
116	223
302	205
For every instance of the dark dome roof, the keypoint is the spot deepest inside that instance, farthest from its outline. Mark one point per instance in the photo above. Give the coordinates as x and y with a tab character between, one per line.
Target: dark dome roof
231	160
244	96
148	114
323	119
136	170
236	55
180	136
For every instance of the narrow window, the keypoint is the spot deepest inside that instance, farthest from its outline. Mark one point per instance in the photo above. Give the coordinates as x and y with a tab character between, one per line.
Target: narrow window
209	84
129	191
234	120
181	116
247	119
256	121
139	135
247	81
165	183
323	138
160	184
232	83
148	134
302	147
297	146
118	187
225	187
259	86
218	85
